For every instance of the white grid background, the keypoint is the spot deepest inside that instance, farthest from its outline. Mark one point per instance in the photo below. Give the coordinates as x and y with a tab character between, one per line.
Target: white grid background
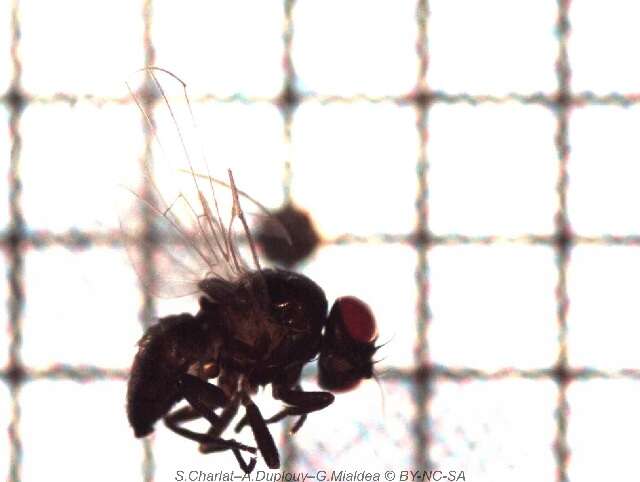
471	167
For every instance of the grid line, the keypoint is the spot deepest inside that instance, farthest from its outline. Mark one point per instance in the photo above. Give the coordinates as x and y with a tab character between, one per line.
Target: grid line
74	239
424	374
147	313
291	96
14	240
419	240
422	384
563	239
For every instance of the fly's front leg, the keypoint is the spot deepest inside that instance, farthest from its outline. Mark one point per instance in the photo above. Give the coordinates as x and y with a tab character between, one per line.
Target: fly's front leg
261	433
300	403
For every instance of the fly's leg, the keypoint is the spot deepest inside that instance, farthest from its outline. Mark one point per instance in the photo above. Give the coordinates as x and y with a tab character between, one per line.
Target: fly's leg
300	404
247	468
224	419
217	444
181	415
261	433
204	398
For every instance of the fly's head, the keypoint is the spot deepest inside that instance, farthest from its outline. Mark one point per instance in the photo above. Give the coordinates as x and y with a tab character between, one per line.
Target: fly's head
348	345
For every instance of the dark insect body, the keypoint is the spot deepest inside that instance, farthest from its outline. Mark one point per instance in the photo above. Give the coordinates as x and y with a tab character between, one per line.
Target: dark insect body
266	327
255	327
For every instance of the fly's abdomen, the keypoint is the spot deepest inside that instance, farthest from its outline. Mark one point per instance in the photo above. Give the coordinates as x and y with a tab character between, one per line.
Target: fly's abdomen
165	352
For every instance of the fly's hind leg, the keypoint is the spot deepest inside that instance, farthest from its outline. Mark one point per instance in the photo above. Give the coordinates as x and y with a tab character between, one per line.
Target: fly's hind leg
203	398
223	420
216	430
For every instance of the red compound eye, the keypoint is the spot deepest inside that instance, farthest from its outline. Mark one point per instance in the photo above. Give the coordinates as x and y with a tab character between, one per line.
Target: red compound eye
358	319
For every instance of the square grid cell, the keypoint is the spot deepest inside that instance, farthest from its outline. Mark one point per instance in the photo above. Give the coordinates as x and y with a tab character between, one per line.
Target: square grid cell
492	169
518	57
602	47
605	154
220	136
354	167
602	323
495	431
352	48
5	165
92	56
603	428
241	40
493	307
81	415
82	308
6	65
5	422
75	163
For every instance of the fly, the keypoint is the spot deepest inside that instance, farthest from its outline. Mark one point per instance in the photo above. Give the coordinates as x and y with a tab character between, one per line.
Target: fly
254	327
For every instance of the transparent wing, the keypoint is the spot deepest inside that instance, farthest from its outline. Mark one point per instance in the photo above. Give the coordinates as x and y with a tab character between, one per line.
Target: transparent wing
198	225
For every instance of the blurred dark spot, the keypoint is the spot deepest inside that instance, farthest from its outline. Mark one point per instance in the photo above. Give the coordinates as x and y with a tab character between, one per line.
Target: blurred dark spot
423	374
421	239
289	99
15	237
563	99
422	98
298	224
562	375
16	100
564	240
15	374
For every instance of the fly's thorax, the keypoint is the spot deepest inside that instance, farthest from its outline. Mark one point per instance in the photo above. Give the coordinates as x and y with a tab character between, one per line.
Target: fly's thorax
269	319
252	333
